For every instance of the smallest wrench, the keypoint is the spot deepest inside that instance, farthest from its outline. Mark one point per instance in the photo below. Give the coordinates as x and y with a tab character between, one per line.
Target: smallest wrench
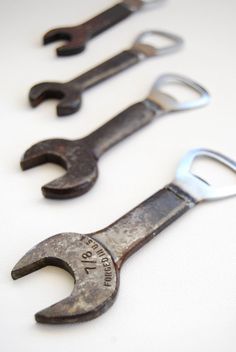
80	157
78	36
95	260
70	92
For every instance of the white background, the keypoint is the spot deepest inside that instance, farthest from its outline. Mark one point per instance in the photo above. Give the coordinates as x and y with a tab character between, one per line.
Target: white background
179	292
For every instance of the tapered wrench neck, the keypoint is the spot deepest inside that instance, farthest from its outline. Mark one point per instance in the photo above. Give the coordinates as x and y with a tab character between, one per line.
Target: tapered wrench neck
143	223
107	19
122	126
139	51
109	68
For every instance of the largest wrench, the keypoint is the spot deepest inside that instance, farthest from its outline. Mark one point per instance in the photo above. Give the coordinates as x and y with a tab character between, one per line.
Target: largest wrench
78	36
95	260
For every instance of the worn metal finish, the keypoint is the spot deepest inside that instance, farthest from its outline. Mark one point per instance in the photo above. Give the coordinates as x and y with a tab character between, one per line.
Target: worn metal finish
80	157
78	36
92	267
143	223
95	260
70	92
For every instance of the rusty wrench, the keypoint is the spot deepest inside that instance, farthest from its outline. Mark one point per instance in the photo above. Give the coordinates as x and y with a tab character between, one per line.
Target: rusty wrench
95	260
80	157
78	36
70	92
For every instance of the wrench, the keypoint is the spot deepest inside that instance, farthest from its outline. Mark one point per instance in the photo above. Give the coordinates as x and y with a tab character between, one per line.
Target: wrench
80	157
95	260
78	36
70	92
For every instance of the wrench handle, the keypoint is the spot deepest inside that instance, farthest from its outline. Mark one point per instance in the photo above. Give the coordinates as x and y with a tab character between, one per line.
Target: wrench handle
140	225
106	19
122	126
106	70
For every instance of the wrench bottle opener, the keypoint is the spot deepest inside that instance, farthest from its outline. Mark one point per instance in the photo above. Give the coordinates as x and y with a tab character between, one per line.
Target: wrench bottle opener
70	92
78	36
80	157
95	260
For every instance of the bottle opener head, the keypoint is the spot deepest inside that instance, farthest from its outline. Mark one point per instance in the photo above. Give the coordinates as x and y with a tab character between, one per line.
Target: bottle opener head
198	188
169	103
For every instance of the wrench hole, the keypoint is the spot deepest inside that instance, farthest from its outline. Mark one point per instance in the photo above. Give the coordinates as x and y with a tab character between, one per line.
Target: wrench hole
213	172
57	282
46	173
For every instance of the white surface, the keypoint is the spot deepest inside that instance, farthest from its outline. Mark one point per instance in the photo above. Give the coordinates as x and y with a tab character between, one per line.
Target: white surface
179	292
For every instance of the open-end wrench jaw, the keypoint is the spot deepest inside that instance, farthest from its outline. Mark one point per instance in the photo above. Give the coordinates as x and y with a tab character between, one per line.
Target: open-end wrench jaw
80	157
70	96
70	92
96	277
75	157
95	260
76	38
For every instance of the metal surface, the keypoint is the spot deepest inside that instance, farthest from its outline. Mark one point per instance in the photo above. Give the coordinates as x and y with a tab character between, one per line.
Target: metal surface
70	92
138	4
78	36
172	105
198	188
147	50
80	157
95	260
